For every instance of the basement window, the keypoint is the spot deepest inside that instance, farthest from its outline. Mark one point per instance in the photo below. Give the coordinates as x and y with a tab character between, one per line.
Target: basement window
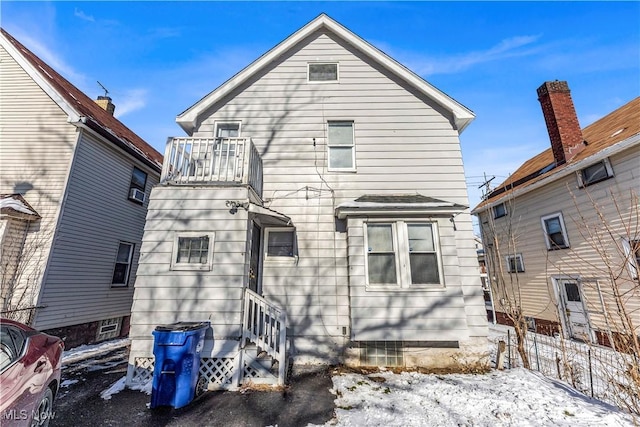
323	72
595	173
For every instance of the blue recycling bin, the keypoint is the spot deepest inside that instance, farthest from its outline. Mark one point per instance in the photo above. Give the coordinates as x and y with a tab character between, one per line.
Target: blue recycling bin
177	349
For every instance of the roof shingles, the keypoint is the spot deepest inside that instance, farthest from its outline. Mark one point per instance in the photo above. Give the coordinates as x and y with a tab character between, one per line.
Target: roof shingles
96	117
613	128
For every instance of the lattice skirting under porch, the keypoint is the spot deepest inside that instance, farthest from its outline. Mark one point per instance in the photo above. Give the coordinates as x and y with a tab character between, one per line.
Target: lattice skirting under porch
217	371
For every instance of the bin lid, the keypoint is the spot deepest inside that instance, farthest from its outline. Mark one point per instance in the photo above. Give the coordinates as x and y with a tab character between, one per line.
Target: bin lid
182	326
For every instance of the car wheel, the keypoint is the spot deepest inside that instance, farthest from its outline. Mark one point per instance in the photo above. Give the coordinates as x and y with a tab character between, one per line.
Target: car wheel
201	386
42	415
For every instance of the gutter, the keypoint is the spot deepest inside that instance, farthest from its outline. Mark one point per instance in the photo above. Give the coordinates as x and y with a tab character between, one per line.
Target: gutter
89	124
602	154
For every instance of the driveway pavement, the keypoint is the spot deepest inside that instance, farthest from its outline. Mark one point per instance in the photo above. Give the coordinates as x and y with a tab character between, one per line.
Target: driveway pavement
306	400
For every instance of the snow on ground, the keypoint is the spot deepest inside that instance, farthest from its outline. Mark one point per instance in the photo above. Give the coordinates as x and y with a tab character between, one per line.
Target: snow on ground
88	351
517	397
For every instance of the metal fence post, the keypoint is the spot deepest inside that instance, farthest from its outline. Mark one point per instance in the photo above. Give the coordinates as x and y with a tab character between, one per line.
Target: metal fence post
535	346
509	347
590	372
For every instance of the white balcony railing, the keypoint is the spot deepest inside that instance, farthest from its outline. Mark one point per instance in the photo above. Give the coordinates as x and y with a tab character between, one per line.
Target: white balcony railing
212	160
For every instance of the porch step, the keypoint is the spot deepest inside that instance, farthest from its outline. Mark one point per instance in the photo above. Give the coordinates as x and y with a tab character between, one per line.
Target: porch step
259	367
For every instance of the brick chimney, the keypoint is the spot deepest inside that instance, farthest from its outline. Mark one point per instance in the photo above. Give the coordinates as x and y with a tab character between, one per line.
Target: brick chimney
561	119
106	104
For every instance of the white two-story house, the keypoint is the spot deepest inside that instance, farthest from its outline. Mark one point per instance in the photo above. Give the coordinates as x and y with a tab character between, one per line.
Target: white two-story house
318	209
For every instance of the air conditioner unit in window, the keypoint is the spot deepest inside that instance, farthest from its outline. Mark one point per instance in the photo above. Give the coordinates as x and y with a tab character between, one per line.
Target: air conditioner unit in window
137	195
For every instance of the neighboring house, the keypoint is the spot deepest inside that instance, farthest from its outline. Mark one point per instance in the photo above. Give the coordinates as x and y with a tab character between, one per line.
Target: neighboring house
563	231
75	183
318	210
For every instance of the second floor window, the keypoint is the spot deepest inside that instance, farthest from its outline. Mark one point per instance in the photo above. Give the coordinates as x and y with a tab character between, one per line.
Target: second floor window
515	264
499	210
341	146
555	233
137	185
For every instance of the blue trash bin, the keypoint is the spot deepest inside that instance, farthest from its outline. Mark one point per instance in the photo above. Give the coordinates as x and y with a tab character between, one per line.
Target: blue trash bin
177	349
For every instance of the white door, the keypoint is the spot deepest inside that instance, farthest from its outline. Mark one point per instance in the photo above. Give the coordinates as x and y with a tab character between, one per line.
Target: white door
574	312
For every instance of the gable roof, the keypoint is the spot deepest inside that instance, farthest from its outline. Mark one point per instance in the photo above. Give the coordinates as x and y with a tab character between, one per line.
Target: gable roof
614	131
78	106
462	115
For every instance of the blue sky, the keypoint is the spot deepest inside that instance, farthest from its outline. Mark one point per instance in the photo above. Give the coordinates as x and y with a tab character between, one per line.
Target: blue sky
157	59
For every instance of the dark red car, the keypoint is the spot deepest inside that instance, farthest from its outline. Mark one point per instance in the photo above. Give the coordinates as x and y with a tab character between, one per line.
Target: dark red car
29	374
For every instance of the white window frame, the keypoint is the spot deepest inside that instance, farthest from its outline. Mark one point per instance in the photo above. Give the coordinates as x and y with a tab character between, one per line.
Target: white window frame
580	173
495	211
220	123
352	146
309	64
400	235
633	263
519	263
273	258
185	266
550	245
129	263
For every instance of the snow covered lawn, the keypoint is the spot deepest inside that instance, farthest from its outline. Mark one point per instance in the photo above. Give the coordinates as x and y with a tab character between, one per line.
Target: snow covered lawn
500	398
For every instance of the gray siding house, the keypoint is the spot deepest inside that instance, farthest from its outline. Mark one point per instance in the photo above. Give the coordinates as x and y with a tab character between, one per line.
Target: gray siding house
316	213
74	185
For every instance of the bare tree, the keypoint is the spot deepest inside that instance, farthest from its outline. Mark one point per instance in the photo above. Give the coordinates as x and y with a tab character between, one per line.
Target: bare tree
22	262
501	249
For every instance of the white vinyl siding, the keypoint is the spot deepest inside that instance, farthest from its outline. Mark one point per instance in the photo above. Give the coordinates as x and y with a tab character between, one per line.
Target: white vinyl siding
402	144
165	295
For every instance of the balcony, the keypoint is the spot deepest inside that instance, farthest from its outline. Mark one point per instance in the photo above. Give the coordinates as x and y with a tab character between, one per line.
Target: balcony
212	161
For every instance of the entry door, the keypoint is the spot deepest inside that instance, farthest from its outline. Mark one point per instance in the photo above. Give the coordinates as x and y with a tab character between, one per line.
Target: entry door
254	262
574	311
